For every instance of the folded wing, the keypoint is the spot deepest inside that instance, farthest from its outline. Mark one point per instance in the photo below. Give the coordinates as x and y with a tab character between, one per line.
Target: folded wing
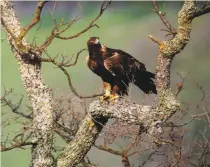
128	69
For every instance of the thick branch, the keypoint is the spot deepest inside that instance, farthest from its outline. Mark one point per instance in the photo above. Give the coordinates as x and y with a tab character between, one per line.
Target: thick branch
93	123
84	139
124	110
167	50
202	11
40	95
35	20
186	15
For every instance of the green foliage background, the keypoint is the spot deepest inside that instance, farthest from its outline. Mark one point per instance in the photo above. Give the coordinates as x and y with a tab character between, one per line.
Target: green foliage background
126	26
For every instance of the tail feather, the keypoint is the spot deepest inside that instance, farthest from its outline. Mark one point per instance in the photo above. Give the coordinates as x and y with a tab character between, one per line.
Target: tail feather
145	82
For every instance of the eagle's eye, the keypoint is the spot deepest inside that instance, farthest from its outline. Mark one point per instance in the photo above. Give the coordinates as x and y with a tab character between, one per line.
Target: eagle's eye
97	41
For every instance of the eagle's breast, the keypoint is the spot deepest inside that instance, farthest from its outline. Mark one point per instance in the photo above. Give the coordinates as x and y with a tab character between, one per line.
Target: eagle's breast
91	63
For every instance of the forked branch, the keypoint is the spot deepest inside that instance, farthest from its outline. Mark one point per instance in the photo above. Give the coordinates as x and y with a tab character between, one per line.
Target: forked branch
57	31
63	63
36	19
162	15
204	10
61	67
105	5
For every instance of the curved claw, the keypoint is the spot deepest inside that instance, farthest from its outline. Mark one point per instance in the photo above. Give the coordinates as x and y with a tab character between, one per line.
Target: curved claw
113	98
109	98
104	98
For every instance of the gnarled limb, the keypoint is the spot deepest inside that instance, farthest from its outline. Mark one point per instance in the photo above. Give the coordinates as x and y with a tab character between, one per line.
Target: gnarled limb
36	19
93	123
40	95
167	50
83	141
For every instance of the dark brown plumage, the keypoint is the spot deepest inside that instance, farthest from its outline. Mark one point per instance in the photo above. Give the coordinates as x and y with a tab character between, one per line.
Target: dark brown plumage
117	69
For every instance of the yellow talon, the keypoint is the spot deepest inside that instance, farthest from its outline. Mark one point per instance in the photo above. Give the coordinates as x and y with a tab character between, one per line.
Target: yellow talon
109	98
104	98
113	98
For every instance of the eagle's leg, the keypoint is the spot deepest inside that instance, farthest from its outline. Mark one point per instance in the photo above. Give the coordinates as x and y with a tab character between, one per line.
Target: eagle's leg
107	94
114	96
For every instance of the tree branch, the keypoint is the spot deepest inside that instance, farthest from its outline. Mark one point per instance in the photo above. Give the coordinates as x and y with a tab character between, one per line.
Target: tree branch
84	139
17	145
15	108
167	50
123	154
93	123
104	6
170	29
109	150
40	95
63	63
204	10
35	20
61	66
126	111
167	103
56	33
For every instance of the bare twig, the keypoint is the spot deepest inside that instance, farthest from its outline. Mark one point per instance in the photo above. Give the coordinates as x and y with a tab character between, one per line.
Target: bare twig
56	32
16	145
34	37
181	84
154	39
69	78
148	158
115	152
104	6
63	63
170	29
18	141
203	92
13	107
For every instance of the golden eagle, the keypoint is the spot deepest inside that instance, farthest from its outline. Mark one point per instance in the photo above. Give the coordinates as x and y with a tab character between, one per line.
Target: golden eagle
117	69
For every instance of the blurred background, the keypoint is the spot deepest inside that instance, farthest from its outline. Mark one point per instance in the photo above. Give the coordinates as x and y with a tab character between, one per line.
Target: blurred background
126	26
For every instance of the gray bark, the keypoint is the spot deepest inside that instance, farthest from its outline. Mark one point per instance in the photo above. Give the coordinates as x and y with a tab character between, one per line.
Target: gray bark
40	95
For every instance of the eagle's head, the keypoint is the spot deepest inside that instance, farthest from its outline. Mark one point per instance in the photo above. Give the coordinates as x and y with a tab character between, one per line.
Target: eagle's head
93	41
